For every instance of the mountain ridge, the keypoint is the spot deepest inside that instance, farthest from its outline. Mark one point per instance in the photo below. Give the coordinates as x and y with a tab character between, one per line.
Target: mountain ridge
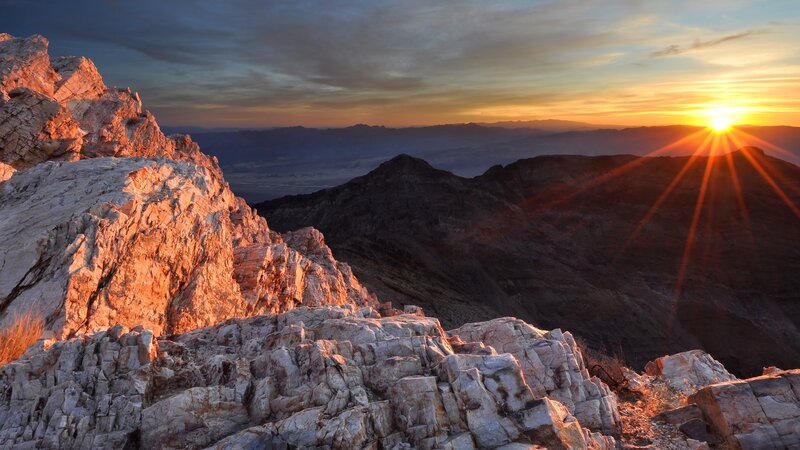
549	220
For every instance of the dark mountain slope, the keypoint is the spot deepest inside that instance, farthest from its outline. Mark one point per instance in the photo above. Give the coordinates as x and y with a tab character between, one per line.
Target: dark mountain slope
552	240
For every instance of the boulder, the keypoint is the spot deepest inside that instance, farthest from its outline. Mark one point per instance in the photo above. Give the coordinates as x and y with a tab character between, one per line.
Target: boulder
756	413
688	371
552	366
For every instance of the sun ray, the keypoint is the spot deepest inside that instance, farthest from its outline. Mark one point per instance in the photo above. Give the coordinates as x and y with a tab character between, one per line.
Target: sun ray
738	190
561	194
665	194
761	142
621	170
698	209
766	177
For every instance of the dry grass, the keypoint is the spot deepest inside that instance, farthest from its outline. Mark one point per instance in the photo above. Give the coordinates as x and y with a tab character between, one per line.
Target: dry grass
607	367
638	407
17	337
659	398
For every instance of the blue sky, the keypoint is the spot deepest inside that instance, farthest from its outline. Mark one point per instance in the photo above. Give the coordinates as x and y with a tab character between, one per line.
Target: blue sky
331	63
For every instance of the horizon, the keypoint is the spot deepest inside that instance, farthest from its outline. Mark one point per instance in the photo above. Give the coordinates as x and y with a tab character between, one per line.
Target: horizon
587	126
254	65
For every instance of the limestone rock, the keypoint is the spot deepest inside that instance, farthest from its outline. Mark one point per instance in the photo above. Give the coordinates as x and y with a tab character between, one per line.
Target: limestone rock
330	377
61	109
89	241
24	63
35	128
757	413
552	365
301	268
688	371
146	242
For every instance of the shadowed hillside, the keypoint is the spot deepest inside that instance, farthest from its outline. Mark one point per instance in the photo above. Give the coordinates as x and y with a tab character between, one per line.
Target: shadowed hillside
553	240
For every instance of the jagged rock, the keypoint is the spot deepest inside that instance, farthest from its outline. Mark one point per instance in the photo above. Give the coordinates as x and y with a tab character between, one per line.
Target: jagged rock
63	110
159	242
79	82
688	371
756	413
146	242
35	128
552	365
333	377
301	268
25	63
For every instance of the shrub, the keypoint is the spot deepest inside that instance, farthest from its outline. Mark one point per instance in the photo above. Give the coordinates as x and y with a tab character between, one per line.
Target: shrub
609	368
18	336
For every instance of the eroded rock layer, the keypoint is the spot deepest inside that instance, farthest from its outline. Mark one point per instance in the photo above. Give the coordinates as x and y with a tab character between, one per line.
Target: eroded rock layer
332	377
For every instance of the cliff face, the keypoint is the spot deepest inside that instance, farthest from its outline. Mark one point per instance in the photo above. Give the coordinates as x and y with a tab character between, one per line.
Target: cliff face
104	219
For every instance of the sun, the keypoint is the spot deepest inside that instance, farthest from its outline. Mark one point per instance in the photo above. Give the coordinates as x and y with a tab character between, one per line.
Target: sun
721	124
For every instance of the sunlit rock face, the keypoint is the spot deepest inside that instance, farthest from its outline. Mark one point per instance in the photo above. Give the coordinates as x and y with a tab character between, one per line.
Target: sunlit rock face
60	109
552	366
328	377
756	413
104	219
686	372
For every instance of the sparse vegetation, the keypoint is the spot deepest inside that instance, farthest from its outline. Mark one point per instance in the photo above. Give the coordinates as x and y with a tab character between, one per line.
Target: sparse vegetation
17	337
639	402
659	397
607	367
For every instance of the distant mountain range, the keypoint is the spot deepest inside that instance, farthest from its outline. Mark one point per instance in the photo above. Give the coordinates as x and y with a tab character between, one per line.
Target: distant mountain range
269	163
553	125
554	240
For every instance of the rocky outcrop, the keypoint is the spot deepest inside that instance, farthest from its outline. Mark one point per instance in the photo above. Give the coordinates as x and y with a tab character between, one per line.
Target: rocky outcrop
156	243
552	366
5	172
104	219
757	413
332	377
60	109
686	372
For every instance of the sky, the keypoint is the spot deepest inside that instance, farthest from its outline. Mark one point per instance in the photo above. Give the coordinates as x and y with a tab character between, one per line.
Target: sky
256	63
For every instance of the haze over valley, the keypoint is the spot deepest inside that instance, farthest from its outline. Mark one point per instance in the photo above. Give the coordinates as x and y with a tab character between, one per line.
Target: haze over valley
266	164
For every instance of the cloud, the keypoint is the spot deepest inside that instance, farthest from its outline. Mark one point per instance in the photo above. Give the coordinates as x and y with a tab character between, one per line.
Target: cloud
675	49
337	62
